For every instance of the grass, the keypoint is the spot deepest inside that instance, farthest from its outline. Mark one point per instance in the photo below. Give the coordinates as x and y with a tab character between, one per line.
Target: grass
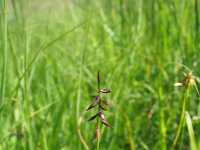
191	131
50	52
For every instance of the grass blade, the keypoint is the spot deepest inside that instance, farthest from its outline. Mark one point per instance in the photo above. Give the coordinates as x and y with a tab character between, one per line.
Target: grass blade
193	145
3	77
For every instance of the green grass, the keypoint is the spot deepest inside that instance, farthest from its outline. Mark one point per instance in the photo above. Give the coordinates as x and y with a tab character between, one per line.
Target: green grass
50	52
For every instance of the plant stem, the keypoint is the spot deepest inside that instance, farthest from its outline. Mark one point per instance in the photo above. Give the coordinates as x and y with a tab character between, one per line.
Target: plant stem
98	140
3	77
162	121
196	21
98	127
99	108
182	121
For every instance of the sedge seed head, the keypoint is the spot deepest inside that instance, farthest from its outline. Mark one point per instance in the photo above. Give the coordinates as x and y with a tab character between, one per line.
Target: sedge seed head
189	79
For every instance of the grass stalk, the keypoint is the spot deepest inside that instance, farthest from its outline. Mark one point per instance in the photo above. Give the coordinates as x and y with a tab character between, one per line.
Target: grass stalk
182	120
162	122
26	98
25	91
196	21
193	144
100	116
3	77
99	108
98	139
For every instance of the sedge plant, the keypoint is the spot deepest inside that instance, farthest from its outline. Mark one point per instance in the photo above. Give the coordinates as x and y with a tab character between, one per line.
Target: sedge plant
187	83
99	102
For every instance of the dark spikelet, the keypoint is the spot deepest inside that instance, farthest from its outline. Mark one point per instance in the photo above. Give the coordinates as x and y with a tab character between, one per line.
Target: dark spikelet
98	80
92	105
105	123
105	91
96	134
101	104
96	97
101	115
93	117
102	107
106	102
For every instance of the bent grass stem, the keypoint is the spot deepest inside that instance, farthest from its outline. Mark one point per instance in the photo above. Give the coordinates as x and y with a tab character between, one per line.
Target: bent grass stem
182	119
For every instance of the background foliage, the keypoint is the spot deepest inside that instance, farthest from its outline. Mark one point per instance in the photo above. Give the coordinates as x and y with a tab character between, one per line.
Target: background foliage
50	52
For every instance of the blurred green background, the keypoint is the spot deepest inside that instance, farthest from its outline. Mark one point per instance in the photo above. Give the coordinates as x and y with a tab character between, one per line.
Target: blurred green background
51	50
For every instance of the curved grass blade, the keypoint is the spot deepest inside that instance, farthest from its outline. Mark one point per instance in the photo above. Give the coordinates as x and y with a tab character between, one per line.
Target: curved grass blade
193	144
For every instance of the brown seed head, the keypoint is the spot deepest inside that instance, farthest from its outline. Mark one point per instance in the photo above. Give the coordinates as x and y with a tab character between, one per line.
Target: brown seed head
106	91
189	79
96	134
101	115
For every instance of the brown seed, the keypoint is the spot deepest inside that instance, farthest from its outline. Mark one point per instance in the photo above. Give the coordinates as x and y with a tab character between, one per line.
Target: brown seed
101	115
105	91
96	97
92	105
96	134
93	117
106	102
105	123
102	107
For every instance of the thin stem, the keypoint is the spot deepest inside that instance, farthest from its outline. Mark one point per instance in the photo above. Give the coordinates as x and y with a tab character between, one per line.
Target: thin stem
162	121
99	108
182	121
3	78
98	80
98	127
196	21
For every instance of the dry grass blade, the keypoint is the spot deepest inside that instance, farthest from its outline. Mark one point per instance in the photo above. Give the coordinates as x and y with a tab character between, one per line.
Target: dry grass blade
80	134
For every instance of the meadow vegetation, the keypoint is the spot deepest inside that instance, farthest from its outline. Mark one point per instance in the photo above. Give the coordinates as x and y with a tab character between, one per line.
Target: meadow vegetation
50	52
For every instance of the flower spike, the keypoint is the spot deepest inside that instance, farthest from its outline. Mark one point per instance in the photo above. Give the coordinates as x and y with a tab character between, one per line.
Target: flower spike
98	101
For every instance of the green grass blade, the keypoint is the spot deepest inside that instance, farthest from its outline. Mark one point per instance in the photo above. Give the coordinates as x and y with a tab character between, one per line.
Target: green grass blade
3	77
193	145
